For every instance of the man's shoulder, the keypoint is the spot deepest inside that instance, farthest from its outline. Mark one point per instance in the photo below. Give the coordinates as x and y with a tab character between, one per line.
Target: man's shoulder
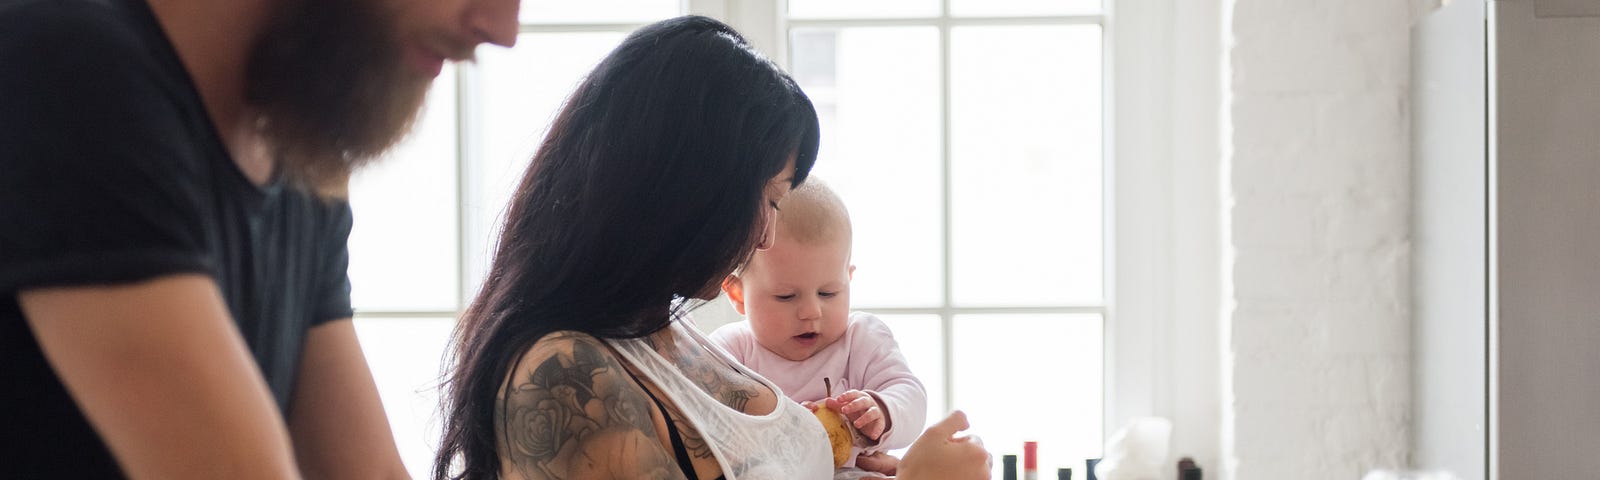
69	25
80	52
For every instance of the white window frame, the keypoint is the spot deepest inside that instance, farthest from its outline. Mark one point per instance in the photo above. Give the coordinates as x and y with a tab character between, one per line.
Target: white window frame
776	35
1162	147
1138	204
1164	338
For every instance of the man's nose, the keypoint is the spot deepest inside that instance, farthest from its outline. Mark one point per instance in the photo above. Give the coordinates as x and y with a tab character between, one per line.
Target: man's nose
494	21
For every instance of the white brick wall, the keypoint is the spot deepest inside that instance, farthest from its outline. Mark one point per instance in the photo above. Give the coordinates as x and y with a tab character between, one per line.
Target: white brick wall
1320	190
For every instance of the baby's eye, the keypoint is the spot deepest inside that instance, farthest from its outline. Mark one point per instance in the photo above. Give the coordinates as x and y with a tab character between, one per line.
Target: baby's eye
784	298
827	294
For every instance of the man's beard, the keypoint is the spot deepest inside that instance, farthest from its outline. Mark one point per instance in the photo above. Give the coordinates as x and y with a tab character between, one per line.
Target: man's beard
328	80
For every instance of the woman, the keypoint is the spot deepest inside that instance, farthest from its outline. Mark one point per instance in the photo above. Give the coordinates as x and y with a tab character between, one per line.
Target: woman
660	175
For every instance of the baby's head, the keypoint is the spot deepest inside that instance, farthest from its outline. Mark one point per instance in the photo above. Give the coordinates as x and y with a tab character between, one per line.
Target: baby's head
797	293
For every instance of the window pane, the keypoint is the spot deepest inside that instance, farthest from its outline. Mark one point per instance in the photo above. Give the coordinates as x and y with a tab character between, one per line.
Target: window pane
922	342
1026	163
522	88
1021	8
877	95
403	244
1031	378
862	9
405	356
597	11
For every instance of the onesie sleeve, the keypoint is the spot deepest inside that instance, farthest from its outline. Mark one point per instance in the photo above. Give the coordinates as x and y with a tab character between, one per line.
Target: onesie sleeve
888	377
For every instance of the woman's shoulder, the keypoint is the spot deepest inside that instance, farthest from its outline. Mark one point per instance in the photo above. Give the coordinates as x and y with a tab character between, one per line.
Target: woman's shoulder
564	354
566	347
570	399
564	337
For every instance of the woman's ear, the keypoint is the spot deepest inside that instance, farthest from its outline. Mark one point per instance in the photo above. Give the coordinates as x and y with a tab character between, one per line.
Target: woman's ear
734	287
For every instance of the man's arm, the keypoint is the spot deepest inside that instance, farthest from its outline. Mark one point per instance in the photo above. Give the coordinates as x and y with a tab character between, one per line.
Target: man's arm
336	418
574	413
160	371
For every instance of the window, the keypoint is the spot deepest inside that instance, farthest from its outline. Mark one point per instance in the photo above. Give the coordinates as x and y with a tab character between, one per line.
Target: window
966	136
426	217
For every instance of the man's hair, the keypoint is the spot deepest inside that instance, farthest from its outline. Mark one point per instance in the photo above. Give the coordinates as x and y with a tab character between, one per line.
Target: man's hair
813	214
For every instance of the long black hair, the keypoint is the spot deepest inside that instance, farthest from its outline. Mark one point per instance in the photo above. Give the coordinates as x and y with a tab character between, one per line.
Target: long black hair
645	193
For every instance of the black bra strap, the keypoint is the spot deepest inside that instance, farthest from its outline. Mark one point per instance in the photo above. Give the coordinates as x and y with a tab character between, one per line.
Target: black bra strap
685	463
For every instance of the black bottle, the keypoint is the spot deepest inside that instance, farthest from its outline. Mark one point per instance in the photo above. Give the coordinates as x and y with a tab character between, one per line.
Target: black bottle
1187	470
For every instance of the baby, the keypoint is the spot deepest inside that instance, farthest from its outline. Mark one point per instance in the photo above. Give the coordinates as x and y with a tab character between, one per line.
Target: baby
801	330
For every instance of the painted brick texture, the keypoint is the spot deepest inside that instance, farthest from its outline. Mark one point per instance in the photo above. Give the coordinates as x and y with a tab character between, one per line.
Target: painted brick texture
1319	181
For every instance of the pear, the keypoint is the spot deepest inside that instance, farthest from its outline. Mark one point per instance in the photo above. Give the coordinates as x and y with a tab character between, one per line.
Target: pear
838	430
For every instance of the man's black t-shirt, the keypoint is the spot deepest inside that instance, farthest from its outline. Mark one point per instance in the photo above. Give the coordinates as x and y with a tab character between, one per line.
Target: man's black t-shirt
111	173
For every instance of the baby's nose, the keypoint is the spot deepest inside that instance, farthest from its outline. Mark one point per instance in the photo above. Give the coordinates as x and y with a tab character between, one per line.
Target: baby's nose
810	311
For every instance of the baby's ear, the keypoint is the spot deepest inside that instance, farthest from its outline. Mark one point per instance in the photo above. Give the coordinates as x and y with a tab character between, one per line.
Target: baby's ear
851	270
734	287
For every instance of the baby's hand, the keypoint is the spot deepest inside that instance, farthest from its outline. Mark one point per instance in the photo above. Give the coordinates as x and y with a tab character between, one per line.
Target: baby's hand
862	410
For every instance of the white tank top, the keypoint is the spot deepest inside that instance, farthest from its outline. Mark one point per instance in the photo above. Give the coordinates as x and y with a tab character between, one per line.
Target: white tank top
788	443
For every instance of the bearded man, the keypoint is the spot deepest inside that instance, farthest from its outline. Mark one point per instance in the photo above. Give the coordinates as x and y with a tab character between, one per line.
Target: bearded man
173	295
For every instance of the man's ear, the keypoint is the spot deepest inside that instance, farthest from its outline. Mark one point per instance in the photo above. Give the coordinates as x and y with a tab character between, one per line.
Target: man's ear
734	287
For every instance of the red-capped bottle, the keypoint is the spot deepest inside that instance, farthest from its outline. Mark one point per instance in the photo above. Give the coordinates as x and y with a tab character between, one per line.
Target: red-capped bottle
1030	460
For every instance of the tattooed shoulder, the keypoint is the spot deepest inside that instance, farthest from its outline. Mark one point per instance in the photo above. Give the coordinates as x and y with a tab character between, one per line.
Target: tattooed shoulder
571	411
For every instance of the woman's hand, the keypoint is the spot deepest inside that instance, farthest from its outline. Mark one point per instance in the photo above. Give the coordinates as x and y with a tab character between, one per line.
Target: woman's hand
878	462
939	454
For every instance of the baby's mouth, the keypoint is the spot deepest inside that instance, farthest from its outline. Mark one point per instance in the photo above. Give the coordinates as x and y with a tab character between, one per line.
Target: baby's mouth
807	336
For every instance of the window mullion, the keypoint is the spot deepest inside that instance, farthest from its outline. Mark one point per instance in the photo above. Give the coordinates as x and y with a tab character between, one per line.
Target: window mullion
947	230
465	82
760	21
470	157
709	8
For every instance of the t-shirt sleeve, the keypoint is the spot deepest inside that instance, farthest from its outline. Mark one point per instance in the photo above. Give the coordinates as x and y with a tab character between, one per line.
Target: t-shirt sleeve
333	290
93	167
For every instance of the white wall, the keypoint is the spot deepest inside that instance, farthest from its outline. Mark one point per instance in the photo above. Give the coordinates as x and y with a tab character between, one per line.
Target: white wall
1197	198
1547	168
715	313
1318	385
1450	254
1164	353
